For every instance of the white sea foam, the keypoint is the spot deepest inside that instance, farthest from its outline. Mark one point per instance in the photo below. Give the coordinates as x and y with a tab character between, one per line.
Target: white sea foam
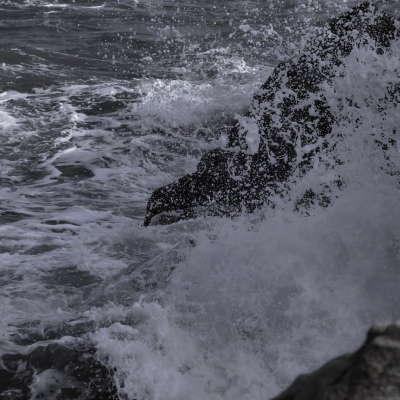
6	120
77	226
254	305
256	300
266	297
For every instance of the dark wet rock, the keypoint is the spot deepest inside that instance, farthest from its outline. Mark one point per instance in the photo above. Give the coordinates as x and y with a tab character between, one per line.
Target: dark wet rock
371	373
7	217
75	172
71	373
288	113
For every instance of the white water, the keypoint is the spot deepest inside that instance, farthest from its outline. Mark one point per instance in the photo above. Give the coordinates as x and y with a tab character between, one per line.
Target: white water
261	299
242	306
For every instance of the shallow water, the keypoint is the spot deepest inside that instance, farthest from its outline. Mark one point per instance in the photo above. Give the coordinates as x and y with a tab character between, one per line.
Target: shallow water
101	103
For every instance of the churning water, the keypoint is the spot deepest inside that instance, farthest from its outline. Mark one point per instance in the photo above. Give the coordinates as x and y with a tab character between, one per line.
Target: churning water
103	102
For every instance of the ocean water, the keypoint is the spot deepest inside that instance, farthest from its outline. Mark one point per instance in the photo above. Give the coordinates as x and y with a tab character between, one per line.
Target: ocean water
103	102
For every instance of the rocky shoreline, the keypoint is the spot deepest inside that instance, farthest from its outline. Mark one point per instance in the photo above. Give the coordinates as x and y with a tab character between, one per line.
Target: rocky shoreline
370	373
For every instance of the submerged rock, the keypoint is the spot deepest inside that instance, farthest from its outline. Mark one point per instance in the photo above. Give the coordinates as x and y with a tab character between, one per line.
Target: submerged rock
371	373
54	371
286	126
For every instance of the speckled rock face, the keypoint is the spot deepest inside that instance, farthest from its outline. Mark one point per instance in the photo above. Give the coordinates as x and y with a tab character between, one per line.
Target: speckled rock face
288	125
371	373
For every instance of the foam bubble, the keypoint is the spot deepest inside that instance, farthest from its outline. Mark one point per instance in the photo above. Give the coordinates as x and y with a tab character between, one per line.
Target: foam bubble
6	120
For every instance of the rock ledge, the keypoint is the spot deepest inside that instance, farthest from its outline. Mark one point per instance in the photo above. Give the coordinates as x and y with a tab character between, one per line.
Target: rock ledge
371	373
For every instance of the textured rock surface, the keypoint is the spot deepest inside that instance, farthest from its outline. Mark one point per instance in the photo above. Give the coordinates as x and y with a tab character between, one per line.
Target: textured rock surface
371	373
286	126
55	371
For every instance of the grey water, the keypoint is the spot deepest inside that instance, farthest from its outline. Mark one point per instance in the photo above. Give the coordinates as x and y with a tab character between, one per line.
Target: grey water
100	104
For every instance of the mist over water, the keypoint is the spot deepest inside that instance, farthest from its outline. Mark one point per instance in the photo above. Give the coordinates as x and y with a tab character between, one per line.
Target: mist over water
100	104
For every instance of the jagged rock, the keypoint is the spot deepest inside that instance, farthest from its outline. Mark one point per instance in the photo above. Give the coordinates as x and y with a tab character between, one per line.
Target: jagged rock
371	373
283	131
55	371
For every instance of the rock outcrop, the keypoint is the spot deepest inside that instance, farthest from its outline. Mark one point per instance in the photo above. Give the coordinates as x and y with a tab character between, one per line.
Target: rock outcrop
285	127
371	373
53	370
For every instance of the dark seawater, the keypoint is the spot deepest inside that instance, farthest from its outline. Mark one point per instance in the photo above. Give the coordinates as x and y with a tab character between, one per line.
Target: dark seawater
101	103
